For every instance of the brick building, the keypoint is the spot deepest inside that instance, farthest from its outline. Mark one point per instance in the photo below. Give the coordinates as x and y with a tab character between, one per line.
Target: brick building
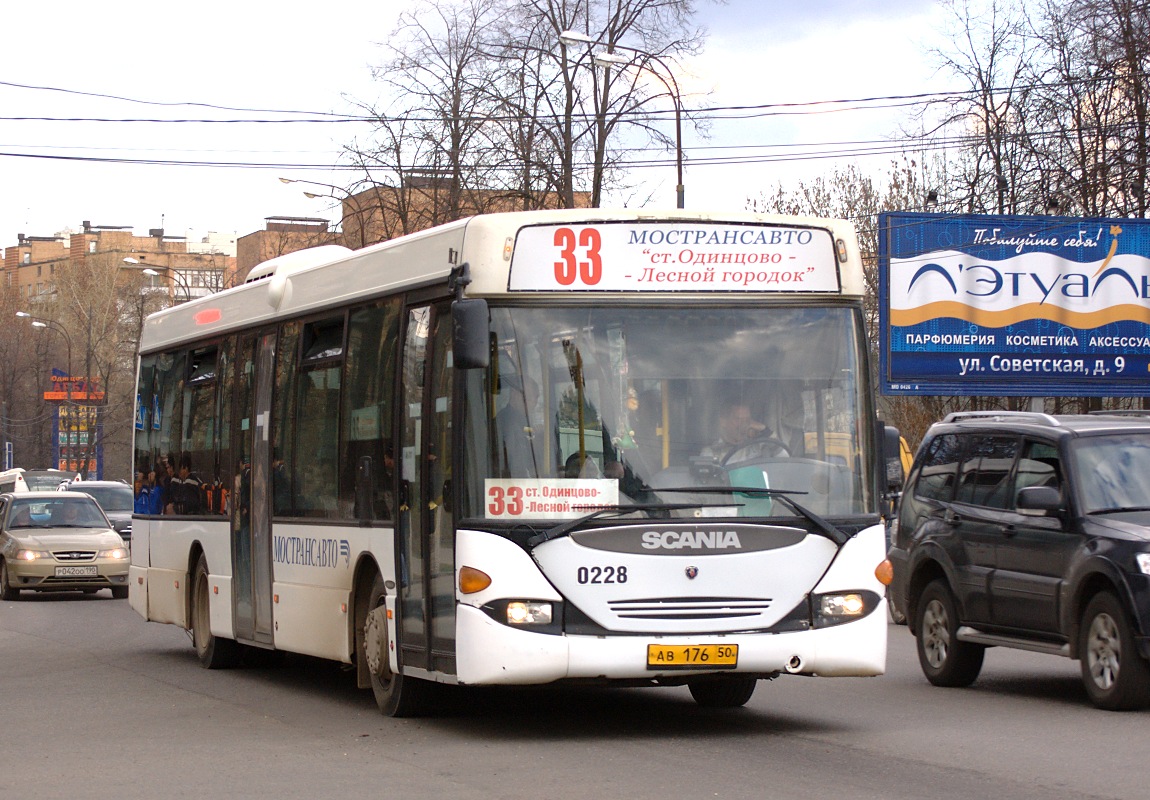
281	235
184	269
380	213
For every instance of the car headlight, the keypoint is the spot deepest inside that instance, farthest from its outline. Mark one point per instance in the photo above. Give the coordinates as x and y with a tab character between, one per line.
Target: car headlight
31	555
114	553
1143	560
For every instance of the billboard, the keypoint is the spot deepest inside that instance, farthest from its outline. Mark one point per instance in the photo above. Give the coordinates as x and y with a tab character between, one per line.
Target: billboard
1014	305
78	423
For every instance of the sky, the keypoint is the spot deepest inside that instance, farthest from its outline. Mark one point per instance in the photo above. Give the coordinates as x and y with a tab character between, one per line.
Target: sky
56	174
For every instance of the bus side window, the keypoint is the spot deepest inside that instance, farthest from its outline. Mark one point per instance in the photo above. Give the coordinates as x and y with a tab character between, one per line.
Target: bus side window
366	410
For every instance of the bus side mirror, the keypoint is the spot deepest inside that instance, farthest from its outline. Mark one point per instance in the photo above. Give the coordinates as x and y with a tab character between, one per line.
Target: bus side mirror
471	344
892	458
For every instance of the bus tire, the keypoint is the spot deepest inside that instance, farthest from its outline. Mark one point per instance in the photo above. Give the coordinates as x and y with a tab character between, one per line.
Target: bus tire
1115	675
214	652
396	695
7	590
722	692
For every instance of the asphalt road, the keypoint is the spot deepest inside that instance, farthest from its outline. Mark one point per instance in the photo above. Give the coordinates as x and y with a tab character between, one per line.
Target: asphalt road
97	703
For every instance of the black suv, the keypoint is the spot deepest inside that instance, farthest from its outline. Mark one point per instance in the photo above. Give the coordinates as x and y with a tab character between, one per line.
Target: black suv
1031	531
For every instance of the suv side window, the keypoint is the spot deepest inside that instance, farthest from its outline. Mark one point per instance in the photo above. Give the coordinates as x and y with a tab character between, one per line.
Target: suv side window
938	468
985	475
1039	466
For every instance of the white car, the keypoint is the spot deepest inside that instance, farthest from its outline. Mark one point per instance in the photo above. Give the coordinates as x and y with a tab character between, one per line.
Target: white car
59	541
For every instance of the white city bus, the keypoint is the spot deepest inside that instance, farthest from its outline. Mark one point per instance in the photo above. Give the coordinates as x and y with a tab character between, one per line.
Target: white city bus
493	453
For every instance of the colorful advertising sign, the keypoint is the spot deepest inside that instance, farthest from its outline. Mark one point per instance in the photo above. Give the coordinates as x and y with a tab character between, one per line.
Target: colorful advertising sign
1014	306
673	257
77	445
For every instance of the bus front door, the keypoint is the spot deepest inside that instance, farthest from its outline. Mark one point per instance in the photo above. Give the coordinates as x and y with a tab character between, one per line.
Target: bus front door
426	531
251	503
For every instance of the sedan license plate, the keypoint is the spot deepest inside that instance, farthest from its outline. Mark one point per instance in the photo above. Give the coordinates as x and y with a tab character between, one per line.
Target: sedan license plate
76	572
692	656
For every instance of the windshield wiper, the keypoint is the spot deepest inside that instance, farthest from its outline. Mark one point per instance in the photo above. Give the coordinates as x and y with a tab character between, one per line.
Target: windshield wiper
821	526
566	527
1119	510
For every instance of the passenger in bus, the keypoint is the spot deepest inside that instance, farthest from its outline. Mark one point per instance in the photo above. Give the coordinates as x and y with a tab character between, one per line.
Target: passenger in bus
157	493
580	467
144	488
516	434
741	436
187	489
165	474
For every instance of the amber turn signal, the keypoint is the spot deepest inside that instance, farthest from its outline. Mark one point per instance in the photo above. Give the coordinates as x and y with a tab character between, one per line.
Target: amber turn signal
472	580
884	572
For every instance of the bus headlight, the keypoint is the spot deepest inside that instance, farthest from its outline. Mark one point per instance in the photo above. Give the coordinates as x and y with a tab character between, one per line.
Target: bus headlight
526	612
842	605
836	608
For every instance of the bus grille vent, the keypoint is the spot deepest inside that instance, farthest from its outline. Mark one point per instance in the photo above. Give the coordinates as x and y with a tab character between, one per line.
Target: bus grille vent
691	607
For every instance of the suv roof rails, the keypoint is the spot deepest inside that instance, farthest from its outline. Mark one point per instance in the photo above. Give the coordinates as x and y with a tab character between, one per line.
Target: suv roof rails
1036	417
1122	412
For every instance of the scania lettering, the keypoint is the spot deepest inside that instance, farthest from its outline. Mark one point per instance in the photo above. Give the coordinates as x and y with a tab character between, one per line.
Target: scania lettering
677	540
495	452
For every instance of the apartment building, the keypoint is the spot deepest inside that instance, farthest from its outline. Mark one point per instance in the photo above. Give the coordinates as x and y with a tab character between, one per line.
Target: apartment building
186	269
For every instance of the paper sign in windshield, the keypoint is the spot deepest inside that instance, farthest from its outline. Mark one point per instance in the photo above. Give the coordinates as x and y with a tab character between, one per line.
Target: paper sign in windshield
548	498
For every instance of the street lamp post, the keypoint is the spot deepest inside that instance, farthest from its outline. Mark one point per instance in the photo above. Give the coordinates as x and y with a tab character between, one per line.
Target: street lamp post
173	280
38	322
668	81
345	197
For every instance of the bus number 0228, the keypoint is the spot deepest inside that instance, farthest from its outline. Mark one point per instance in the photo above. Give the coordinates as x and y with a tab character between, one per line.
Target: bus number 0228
601	574
569	267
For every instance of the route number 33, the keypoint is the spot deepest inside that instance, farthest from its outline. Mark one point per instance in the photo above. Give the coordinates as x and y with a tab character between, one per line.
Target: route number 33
579	256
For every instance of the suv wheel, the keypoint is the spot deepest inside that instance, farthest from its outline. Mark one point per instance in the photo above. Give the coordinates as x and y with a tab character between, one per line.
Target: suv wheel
944	659
1117	678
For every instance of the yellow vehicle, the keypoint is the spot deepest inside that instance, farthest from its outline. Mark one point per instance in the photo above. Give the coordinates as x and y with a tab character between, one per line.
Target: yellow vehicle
838	450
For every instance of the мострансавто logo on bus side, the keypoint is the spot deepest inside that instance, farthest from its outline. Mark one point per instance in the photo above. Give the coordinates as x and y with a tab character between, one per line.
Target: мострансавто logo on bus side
308	551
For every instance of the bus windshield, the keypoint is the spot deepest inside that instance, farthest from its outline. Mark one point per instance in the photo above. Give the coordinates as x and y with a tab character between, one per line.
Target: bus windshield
598	406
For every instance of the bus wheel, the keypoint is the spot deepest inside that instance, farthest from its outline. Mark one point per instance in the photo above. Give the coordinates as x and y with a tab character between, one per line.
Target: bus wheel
214	652
7	590
722	692
396	695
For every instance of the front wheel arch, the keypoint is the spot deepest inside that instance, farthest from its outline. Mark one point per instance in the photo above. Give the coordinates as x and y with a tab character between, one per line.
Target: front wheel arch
1115	675
925	573
1101	578
8	591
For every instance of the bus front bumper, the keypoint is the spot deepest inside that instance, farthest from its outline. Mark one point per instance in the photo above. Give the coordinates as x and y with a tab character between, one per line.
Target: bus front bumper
489	653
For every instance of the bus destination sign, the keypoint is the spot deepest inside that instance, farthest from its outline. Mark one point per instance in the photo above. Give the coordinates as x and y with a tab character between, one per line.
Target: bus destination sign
673	257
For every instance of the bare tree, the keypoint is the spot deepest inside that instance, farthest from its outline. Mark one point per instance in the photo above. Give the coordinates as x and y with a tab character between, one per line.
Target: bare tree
990	57
489	110
24	420
1093	104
